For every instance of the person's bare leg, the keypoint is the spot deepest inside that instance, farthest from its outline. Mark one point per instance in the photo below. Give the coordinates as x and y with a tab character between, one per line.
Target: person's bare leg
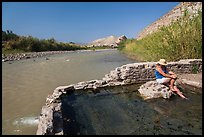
179	93
171	85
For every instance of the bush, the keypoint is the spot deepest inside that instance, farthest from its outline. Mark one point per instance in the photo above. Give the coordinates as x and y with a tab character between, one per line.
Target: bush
180	40
31	44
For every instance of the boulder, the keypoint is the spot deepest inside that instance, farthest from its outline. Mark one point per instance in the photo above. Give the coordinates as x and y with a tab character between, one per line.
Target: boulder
153	89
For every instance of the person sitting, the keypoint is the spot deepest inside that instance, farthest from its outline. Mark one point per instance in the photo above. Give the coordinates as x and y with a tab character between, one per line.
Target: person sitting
166	77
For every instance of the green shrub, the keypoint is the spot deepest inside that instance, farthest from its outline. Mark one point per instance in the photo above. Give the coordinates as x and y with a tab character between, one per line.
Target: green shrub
195	69
180	40
31	44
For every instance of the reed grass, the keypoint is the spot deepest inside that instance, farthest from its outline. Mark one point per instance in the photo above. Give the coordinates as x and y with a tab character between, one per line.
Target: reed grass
182	39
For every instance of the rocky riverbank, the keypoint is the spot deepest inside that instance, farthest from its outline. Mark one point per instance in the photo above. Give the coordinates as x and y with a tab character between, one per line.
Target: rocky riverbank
28	55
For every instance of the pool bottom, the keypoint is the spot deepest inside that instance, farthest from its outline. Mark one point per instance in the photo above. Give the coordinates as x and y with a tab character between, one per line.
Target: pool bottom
104	113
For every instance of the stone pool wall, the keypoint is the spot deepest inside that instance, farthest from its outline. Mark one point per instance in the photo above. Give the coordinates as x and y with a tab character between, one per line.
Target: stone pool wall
50	119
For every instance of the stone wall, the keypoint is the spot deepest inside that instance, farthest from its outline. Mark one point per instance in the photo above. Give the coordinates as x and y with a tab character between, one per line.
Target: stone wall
172	15
50	120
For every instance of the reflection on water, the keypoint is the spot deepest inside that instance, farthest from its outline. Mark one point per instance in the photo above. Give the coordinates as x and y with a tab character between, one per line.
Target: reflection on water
128	114
26	83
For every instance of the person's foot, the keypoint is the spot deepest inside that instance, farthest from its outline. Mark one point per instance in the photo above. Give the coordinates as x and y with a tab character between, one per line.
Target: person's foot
186	98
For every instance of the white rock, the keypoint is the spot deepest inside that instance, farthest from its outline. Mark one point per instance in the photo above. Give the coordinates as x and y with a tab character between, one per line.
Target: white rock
152	89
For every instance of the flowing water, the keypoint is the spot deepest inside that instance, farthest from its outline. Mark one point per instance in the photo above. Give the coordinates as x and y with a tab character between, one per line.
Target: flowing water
107	113
26	83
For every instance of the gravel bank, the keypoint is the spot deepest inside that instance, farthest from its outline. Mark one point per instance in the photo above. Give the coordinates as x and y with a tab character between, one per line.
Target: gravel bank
28	55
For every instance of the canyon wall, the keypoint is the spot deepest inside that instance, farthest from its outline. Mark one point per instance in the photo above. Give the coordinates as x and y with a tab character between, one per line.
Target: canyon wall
173	15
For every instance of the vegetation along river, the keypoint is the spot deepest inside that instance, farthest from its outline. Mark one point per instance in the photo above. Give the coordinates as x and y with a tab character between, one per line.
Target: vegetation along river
26	83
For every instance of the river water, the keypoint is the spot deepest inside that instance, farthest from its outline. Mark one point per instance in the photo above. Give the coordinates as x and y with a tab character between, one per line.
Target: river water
26	83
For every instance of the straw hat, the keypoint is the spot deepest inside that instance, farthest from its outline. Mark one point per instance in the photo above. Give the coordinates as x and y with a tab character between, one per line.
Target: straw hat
162	62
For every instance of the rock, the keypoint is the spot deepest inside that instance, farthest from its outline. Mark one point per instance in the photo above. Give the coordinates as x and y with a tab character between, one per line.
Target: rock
59	133
80	85
192	83
45	125
121	38
64	89
99	83
171	16
4	60
153	89
110	41
49	100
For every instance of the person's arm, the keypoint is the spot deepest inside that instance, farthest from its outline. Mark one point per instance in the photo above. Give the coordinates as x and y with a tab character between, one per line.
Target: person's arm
172	73
162	73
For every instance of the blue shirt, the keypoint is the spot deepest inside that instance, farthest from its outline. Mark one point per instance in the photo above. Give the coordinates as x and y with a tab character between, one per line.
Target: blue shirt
158	75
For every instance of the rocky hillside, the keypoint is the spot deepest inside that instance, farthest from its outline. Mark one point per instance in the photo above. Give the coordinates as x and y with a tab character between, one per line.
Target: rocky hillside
111	41
172	15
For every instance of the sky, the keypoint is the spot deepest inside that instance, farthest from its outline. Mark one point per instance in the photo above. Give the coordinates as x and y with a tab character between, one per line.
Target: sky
81	22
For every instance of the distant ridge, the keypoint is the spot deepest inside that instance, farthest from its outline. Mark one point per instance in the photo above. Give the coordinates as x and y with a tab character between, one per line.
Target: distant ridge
110	41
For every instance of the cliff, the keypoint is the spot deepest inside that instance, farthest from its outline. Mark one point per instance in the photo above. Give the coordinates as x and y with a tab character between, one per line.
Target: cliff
171	16
110	41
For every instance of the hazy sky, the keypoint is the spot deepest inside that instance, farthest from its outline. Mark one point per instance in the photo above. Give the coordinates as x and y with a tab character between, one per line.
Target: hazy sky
81	22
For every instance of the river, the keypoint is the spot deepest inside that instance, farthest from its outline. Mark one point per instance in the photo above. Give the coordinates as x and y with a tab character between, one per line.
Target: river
26	83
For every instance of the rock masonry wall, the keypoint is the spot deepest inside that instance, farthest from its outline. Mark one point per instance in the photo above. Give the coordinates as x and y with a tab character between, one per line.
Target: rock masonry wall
50	119
172	15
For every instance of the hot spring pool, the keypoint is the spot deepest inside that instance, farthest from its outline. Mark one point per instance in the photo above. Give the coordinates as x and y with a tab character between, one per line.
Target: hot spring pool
106	112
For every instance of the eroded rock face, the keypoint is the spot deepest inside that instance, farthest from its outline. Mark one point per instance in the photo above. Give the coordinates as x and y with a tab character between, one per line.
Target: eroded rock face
153	89
121	38
171	16
110	41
